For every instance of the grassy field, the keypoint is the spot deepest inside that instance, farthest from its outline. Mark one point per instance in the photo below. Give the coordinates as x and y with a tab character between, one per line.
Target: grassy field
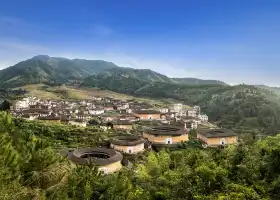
36	91
60	92
75	93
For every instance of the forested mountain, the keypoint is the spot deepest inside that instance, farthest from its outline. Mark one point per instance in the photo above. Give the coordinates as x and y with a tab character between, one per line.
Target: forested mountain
145	75
45	69
125	80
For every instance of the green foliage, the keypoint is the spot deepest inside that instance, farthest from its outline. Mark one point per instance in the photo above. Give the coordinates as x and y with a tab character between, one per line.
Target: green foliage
5	105
30	168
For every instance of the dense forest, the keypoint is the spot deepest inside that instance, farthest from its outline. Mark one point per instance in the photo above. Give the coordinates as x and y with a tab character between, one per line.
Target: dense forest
31	168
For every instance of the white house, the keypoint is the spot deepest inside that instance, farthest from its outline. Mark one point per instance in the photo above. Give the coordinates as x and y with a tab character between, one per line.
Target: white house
83	117
192	113
97	111
193	125
163	110
197	121
126	106
21	105
203	118
197	109
178	107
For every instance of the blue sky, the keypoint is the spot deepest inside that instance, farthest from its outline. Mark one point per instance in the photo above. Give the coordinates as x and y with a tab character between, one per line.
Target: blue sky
236	41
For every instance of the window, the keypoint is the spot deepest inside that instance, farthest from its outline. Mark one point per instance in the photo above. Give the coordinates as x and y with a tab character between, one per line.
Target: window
222	141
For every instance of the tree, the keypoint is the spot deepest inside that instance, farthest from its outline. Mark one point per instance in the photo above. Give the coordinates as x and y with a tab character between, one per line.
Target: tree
5	105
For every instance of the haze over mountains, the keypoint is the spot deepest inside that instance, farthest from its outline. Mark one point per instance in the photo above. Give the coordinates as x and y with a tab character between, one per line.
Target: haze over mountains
42	69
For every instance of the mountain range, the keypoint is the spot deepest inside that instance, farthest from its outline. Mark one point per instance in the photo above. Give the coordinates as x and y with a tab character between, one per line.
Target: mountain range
43	69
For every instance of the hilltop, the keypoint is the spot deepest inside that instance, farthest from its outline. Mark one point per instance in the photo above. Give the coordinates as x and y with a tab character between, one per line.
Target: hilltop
45	69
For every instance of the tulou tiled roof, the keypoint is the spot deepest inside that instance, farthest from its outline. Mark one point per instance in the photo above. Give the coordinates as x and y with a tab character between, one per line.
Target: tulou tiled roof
214	133
166	130
129	140
98	156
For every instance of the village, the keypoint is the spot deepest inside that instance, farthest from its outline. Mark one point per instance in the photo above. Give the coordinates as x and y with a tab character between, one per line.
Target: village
160	126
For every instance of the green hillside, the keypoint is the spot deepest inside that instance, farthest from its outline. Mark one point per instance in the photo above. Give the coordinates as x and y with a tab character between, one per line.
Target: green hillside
140	74
45	69
27	72
125	80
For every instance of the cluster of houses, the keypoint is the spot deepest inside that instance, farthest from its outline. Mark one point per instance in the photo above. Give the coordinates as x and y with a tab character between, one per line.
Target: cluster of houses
122	113
172	127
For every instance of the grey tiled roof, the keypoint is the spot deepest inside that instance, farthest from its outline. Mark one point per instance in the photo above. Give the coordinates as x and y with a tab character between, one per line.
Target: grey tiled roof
214	133
129	140
76	156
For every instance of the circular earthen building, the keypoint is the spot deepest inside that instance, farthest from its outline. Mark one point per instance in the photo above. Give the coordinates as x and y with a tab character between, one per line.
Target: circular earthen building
166	135
107	160
128	144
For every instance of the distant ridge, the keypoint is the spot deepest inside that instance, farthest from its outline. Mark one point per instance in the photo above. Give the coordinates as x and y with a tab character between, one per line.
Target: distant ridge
272	89
196	81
